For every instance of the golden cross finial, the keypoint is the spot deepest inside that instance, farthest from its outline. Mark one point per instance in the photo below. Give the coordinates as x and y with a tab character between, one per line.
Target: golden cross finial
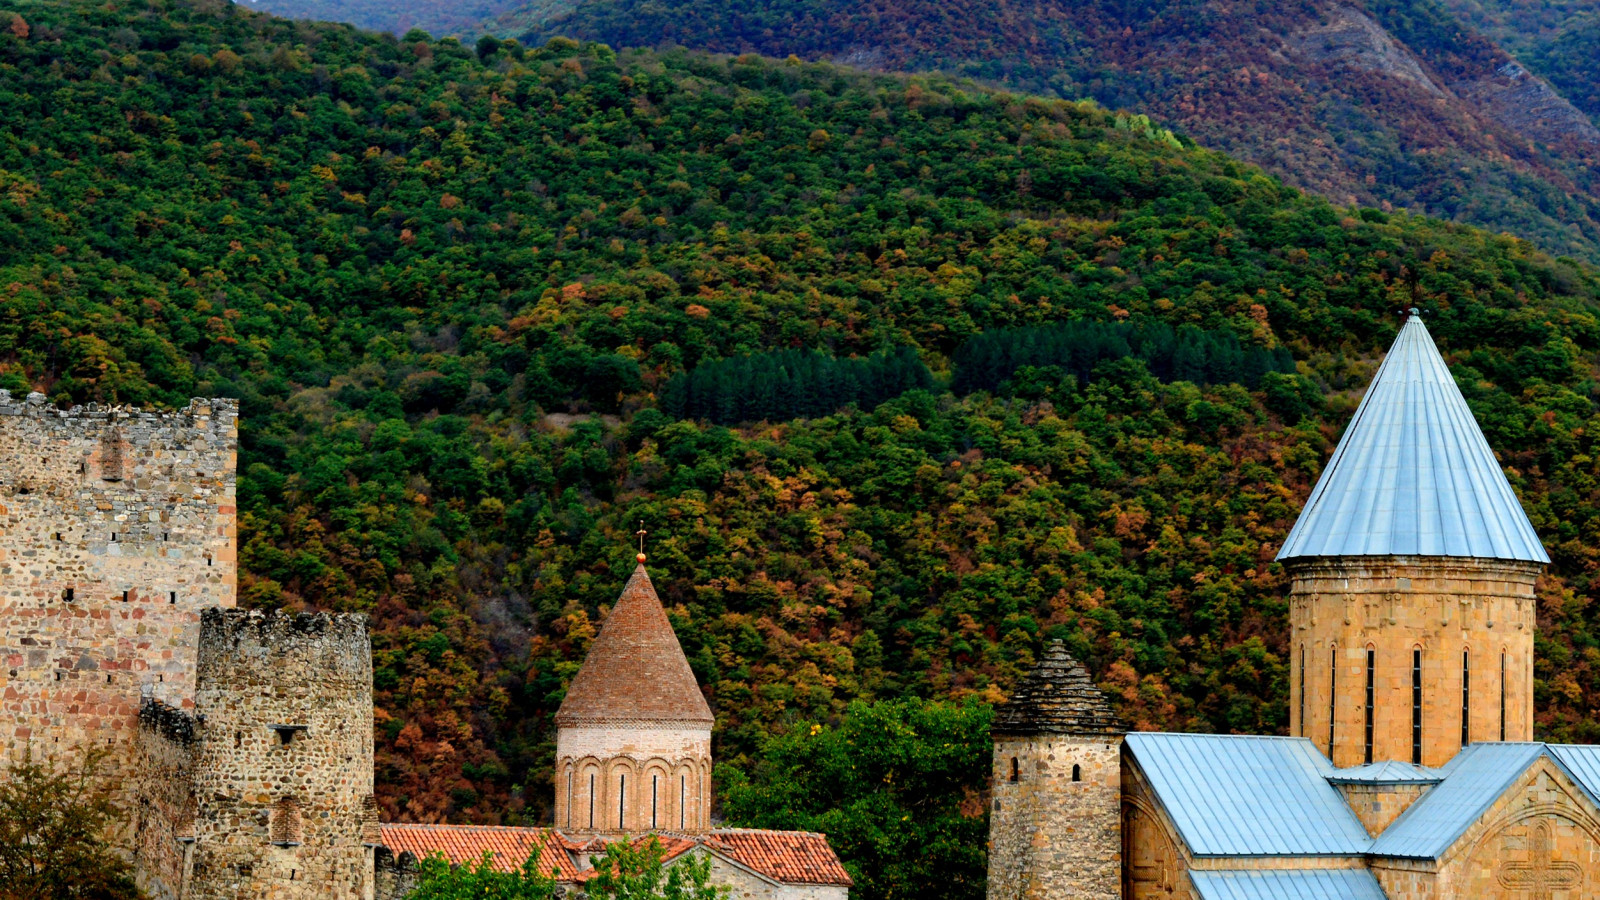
641	533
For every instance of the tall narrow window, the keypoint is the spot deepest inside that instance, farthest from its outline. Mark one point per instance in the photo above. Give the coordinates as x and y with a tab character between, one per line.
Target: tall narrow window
683	802
591	799
622	800
1416	707
1466	697
1077	773
1302	712
1016	771
1502	695
653	780
1333	692
1372	664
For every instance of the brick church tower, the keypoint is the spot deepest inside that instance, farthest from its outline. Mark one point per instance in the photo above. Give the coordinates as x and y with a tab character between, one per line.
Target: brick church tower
633	736
1055	823
1413	568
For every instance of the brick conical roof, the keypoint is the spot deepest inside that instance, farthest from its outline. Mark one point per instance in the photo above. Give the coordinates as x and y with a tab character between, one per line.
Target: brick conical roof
636	670
1056	697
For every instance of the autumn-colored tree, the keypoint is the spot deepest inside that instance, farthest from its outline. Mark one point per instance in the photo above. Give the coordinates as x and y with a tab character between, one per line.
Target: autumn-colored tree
54	820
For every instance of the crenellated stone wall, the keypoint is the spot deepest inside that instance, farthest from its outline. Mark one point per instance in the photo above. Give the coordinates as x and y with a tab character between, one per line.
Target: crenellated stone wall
283	765
1470	615
117	527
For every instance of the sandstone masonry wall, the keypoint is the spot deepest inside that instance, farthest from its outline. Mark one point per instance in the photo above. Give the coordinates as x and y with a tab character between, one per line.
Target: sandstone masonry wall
116	528
1050	835
1339	608
163	806
283	771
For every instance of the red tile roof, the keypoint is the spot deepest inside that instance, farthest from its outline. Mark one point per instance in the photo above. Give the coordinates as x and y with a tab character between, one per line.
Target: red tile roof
467	844
636	669
788	857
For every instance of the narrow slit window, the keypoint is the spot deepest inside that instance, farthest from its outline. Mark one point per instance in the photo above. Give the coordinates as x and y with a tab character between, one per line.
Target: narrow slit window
1333	693
569	799
1302	680
653	785
1416	707
1502	695
68	595
1372	664
622	800
591	800
1077	772
172	597
126	595
1466	697
1016	771
683	802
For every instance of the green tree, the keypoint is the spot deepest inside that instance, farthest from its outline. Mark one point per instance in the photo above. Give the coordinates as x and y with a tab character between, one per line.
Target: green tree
896	786
54	819
639	872
438	879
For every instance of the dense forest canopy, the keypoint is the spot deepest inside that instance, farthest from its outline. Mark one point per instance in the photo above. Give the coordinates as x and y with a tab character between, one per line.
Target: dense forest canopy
449	285
1387	103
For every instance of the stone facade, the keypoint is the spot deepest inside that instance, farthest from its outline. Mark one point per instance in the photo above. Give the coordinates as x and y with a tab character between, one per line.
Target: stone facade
1055	819
1378	805
1459	615
117	527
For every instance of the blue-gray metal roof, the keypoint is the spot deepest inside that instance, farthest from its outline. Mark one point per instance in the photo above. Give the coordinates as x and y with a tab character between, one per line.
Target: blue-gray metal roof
1473	781
1413	474
1582	762
1386	772
1298	884
1242	795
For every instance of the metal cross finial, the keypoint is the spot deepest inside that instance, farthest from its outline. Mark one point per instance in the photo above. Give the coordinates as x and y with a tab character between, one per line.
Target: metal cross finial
641	533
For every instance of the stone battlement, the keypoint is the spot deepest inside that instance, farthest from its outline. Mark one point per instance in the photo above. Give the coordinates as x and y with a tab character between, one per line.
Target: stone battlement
172	724
238	645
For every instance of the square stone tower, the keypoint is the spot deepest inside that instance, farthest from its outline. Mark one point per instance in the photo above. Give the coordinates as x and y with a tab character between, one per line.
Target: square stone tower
1055	824
117	527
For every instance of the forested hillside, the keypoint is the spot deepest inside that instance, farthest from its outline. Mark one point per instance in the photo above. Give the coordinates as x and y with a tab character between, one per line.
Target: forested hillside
438	17
1389	103
1559	39
452	285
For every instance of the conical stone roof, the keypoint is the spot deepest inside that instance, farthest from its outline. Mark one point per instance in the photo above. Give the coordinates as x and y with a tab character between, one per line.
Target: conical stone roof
1413	474
636	670
1056	697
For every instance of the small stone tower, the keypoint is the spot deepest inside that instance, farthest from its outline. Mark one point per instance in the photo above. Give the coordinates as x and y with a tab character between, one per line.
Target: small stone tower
1413	568
282	758
633	736
1055	826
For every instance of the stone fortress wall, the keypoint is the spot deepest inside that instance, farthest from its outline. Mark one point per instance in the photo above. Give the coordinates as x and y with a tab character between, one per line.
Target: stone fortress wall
117	527
1056	818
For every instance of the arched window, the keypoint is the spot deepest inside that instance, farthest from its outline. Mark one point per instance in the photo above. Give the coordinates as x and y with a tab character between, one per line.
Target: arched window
569	797
683	802
1466	697
284	822
1416	706
622	801
591	799
1016	772
654	786
1372	666
1077	773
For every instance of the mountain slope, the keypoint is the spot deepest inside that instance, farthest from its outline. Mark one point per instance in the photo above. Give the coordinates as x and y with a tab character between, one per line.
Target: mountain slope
1394	104
449	289
1559	40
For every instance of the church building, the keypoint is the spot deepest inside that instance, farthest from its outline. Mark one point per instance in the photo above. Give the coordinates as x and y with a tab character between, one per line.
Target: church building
1410	771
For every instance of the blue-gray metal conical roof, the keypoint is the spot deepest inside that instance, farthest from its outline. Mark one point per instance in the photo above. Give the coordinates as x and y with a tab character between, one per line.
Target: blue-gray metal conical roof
1413	475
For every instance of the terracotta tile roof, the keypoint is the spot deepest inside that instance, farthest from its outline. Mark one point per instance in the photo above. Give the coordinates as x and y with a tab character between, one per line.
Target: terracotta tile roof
792	857
636	669
468	843
788	857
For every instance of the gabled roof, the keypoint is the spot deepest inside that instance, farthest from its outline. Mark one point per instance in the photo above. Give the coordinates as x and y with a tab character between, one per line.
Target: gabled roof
636	669
1413	474
1473	781
1056	697
1386	772
1242	795
1293	884
509	847
784	857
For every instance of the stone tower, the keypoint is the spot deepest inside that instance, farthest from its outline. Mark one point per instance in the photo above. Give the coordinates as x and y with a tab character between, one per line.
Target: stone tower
633	736
117	527
1055	826
282	759
1413	568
